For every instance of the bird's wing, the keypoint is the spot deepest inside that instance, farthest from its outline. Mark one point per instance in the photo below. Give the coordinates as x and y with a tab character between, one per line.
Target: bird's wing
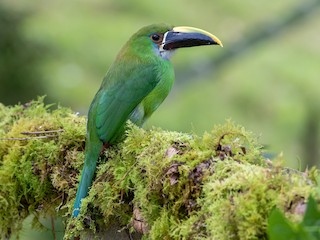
118	98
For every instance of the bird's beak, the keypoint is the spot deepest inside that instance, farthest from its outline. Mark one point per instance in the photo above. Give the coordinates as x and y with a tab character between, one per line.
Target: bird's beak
180	37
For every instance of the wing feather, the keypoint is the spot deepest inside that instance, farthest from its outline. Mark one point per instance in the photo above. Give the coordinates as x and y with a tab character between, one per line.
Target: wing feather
119	95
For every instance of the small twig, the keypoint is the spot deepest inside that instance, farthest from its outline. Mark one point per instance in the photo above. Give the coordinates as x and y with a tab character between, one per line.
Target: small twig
34	133
42	132
53	228
28	138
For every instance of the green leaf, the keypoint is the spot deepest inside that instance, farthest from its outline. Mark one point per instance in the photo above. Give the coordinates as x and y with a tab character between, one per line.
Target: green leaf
312	215
279	228
311	219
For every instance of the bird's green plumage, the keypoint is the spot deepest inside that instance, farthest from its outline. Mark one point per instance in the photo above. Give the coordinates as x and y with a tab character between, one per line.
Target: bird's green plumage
135	85
139	78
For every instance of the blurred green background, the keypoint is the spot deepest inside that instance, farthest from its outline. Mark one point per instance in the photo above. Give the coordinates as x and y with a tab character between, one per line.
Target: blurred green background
266	77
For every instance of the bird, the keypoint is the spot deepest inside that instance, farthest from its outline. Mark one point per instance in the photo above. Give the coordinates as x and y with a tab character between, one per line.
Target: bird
137	82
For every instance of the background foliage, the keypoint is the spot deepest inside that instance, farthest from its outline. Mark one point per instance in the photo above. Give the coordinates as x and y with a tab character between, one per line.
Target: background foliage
265	78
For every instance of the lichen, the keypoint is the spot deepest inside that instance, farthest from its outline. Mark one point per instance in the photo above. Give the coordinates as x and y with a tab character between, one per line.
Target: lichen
166	185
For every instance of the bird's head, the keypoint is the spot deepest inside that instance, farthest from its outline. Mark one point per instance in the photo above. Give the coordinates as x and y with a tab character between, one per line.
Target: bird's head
163	39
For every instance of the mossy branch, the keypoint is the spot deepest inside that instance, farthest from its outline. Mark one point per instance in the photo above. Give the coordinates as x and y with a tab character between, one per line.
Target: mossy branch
165	185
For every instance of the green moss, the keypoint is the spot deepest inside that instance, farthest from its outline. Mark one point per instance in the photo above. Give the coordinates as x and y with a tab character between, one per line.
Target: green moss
178	185
215	187
36	168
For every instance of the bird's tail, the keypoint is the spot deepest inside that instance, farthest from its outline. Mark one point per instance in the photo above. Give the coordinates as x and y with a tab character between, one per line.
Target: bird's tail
92	154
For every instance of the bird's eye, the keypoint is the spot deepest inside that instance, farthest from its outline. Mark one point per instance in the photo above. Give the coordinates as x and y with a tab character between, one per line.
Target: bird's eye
157	38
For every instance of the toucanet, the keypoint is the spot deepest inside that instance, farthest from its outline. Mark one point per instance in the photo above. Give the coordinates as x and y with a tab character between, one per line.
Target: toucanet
135	85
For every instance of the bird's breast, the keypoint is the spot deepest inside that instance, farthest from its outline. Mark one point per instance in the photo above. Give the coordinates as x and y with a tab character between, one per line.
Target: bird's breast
153	100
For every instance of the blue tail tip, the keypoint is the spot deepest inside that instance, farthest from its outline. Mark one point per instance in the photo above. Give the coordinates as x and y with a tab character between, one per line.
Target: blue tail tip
75	212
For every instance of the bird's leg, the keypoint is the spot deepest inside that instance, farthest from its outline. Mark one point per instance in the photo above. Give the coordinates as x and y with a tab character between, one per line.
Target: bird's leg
104	147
